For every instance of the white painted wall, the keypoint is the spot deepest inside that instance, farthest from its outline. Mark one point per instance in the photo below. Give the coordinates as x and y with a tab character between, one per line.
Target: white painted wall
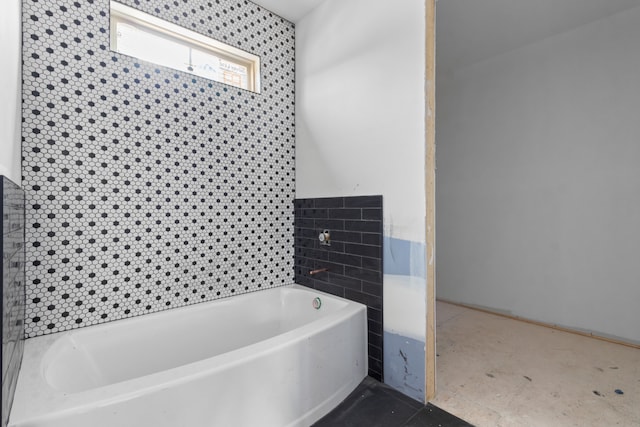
360	130
538	180
360	106
10	90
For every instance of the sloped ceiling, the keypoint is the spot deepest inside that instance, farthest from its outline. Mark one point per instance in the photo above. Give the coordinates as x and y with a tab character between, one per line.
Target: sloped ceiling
468	31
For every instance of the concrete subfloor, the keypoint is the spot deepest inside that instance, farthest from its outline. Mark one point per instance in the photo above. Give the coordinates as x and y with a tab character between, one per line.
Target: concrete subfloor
495	371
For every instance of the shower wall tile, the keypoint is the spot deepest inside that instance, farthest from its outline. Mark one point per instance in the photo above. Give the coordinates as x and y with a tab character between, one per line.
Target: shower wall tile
13	289
354	259
148	188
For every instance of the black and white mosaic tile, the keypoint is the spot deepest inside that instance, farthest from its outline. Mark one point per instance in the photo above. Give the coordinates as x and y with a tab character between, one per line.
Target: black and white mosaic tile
149	188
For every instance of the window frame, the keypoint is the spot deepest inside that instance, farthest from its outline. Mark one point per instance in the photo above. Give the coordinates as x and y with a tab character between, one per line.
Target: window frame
120	13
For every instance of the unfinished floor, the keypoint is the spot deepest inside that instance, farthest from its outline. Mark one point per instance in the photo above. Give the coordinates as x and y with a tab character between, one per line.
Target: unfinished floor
495	371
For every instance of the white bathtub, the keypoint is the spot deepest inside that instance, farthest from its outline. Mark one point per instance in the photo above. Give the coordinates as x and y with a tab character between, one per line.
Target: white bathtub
263	359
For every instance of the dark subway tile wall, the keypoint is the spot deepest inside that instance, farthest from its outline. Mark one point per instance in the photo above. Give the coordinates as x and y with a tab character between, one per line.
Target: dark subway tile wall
353	260
13	285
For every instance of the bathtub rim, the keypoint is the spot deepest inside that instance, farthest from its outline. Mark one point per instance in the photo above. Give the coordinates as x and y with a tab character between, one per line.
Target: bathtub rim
79	337
49	403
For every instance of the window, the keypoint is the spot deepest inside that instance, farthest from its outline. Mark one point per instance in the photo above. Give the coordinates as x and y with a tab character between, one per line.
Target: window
152	39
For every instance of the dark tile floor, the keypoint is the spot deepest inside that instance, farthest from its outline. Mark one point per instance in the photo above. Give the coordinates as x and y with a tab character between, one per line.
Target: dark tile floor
373	404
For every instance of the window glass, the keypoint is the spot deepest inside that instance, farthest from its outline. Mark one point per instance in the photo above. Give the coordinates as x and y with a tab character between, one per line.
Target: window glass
151	39
151	47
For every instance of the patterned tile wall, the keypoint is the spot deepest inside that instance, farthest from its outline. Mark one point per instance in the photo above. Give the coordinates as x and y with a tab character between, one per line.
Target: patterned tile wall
353	260
148	188
13	292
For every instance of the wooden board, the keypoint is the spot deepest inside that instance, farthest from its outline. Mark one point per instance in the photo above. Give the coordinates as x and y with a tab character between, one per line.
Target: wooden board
430	97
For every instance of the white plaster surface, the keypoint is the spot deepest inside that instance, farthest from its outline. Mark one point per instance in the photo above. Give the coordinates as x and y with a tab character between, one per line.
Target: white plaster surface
360	107
10	90
404	306
360	127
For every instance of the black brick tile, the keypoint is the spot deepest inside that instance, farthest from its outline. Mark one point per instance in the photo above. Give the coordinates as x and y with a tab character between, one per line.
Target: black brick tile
12	219
329	288
374	326
331	224
374	338
375	352
342	258
372	288
313	213
354	258
311	253
307	263
332	267
375	315
372	214
375	366
304	222
322	276
346	282
368	275
347	236
305	243
363	250
335	247
371	239
372	302
303	203
375	375
355	295
363	202
372	263
308	233
345	213
329	202
303	280
366	226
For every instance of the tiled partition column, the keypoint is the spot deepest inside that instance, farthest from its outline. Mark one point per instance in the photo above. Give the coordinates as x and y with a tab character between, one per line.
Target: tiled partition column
148	188
353	260
12	217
